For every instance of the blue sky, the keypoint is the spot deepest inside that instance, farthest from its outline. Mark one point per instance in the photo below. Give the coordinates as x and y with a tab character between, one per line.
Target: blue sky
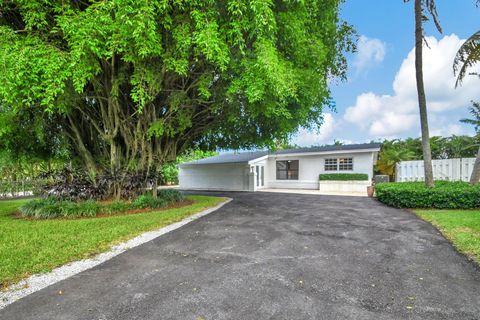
378	100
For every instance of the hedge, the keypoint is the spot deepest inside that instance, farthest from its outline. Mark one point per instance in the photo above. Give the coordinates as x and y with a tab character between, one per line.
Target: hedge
343	177
445	195
50	207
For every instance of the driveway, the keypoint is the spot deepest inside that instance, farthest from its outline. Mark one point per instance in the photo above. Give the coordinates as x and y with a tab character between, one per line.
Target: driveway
276	256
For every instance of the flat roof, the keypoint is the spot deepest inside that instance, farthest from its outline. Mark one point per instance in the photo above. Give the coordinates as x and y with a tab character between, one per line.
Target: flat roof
245	157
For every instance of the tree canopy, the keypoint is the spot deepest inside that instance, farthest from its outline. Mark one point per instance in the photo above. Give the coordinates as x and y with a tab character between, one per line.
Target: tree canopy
133	83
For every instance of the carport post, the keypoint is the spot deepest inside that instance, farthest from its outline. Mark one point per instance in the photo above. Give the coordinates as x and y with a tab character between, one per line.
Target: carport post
251	179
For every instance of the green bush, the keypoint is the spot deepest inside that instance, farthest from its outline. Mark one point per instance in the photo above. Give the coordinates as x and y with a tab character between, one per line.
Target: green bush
47	208
148	201
52	208
343	177
170	195
445	195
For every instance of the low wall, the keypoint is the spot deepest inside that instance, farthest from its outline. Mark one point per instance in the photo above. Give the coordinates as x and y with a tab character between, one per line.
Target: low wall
344	186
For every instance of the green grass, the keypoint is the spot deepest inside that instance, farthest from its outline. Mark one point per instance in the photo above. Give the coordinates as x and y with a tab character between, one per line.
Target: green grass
462	227
35	246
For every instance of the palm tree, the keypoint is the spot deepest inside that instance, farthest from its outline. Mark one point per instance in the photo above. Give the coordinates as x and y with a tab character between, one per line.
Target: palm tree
475	121
467	57
421	7
390	155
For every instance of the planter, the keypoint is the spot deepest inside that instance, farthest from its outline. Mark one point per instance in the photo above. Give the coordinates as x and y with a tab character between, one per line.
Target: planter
370	191
358	187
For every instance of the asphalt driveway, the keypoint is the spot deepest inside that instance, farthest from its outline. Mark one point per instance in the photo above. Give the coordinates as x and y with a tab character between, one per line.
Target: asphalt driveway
276	256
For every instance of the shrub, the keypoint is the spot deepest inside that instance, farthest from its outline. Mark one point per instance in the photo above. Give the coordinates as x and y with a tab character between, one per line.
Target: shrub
148	201
53	207
343	177
445	195
170	195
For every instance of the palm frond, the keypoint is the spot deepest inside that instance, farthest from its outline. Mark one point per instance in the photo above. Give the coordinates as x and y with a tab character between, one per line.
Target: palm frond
467	56
432	9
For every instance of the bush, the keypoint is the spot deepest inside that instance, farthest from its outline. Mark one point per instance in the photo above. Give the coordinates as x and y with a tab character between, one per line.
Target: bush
164	198
148	201
343	177
170	195
445	195
52	207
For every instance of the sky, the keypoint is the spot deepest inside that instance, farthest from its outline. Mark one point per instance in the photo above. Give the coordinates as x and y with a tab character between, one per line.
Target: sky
379	99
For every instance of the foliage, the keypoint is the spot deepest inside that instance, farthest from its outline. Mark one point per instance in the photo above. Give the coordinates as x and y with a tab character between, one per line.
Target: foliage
462	227
170	195
474	110
28	247
445	195
390	155
148	201
169	172
131	84
475	121
51	207
467	58
397	150
343	176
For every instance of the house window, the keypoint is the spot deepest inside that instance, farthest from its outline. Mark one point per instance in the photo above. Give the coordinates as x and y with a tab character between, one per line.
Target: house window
345	164
331	164
287	170
339	164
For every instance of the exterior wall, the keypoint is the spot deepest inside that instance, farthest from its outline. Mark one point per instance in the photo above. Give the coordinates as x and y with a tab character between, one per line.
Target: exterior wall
359	187
231	177
311	166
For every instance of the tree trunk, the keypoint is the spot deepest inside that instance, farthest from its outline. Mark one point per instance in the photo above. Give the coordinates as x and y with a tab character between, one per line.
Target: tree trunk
422	101
475	177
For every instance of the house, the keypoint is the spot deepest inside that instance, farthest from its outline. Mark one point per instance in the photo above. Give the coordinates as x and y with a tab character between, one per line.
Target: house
284	169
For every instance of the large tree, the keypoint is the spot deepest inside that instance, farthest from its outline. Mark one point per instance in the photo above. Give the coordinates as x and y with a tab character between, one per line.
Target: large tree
137	82
421	10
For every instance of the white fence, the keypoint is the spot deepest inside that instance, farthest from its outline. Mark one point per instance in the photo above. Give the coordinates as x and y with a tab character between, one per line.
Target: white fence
448	169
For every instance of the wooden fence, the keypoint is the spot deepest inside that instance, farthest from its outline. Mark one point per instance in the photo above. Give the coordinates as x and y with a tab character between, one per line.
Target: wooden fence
448	169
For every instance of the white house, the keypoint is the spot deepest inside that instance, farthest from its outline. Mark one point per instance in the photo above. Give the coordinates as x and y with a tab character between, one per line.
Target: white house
289	169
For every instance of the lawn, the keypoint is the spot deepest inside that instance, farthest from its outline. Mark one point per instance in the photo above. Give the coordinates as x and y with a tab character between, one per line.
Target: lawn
462	227
34	246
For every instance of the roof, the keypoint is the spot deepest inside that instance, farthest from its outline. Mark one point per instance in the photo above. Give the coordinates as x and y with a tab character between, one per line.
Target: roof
346	147
245	157
230	158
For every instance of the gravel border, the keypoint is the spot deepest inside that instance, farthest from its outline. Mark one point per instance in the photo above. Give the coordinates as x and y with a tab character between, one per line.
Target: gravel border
37	282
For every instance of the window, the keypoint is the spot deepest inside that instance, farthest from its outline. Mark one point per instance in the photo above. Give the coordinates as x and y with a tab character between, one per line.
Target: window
345	164
287	170
339	164
331	165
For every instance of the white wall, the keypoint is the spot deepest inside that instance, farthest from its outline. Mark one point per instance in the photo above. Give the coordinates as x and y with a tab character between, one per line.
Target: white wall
447	169
231	177
311	166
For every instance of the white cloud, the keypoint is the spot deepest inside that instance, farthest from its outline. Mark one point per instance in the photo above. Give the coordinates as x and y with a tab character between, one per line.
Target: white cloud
389	115
370	52
305	137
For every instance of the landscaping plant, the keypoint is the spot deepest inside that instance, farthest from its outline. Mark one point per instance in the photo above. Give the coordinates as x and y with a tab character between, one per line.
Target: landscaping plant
343	177
445	195
52	207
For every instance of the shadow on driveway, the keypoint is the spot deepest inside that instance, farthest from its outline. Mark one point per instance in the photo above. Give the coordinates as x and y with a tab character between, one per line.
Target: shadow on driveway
276	256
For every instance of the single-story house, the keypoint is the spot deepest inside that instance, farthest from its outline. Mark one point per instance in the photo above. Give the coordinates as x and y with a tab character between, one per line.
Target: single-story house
288	169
